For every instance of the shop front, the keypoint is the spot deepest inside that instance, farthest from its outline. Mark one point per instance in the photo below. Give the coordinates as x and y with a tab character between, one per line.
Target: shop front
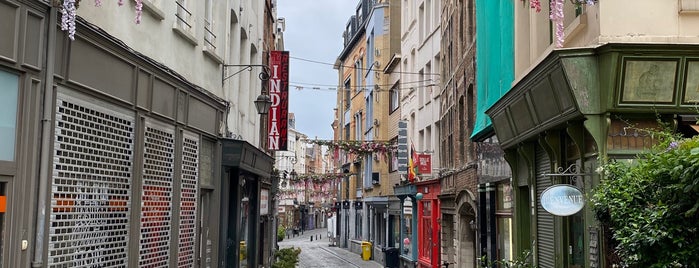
428	225
244	170
574	108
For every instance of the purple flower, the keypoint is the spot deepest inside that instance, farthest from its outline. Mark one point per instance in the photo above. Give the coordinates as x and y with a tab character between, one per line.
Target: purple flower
673	145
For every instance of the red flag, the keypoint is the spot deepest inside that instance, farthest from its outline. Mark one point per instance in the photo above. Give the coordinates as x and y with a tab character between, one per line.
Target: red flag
412	167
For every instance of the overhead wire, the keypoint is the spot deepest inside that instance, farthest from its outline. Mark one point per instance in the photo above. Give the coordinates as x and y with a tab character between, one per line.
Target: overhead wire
301	87
353	67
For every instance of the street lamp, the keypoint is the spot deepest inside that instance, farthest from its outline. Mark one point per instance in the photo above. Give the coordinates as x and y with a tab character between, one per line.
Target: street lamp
262	103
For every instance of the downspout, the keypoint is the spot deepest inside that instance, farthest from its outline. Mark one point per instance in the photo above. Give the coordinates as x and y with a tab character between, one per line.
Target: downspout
46	135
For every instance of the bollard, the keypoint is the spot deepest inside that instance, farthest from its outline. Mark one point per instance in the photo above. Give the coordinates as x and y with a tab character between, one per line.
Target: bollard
311	238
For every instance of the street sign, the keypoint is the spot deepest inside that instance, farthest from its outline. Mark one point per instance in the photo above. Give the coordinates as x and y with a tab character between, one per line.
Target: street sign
402	153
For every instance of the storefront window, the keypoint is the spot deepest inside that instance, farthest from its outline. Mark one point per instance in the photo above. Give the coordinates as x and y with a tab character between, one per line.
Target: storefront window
504	196
395	231
8	114
408	235
3	206
504	221
426	244
244	224
505	238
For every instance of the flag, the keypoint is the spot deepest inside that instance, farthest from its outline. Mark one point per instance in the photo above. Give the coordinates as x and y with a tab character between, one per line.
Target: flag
412	166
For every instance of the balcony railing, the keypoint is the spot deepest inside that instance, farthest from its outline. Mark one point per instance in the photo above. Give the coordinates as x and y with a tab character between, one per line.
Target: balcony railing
209	36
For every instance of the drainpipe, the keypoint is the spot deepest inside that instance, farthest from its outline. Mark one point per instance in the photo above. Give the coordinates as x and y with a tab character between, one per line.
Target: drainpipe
46	135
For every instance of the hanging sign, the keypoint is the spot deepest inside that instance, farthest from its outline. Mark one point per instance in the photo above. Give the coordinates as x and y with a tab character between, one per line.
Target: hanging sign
264	202
562	200
424	163
402	147
279	94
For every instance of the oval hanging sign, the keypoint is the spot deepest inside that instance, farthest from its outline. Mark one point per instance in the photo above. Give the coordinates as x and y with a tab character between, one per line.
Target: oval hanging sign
562	200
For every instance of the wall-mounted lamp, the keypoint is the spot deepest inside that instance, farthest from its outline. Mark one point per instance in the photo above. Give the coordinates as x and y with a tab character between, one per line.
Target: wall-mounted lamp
262	103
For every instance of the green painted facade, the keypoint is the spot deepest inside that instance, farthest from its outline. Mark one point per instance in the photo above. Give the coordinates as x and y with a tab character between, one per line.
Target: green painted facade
576	106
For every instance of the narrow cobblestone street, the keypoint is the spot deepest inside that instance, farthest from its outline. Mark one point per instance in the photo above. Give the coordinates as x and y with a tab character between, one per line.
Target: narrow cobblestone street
319	253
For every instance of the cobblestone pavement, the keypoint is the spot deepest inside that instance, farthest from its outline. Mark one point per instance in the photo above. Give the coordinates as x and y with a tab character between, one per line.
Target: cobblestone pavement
319	253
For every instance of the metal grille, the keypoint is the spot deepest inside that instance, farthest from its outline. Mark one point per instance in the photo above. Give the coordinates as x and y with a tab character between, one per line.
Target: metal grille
188	201
156	198
90	186
545	222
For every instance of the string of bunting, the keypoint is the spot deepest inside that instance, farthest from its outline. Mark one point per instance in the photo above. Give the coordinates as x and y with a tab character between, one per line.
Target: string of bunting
359	147
323	177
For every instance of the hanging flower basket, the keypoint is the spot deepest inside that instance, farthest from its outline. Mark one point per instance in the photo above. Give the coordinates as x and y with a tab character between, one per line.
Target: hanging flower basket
556	15
69	10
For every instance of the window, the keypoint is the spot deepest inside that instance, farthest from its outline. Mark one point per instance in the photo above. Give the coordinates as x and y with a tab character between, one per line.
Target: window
358	225
348	93
427	243
394	227
3	194
393	164
359	15
358	126
184	16
422	20
408	231
369	123
421	89
359	75
347	131
9	87
209	36
504	221
370	52
394	98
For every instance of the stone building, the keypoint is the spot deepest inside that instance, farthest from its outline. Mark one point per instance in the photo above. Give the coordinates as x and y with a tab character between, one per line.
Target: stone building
118	136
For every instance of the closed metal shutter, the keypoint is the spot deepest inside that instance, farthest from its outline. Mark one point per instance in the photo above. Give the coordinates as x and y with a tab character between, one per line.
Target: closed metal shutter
544	220
188	201
156	195
90	185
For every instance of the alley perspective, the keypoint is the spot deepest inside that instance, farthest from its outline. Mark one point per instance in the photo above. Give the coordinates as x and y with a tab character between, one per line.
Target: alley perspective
349	133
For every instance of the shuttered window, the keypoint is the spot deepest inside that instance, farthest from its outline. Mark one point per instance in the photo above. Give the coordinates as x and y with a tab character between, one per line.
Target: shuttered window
90	185
544	220
156	195
188	201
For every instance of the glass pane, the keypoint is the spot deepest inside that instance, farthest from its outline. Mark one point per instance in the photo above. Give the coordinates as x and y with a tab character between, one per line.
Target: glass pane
408	235
504	196
9	84
504	238
2	221
426	209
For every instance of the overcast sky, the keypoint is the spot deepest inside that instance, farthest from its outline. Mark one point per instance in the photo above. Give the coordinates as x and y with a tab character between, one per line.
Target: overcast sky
314	32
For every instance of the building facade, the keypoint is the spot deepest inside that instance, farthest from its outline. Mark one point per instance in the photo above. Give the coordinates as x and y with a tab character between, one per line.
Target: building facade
461	164
122	154
420	79
567	108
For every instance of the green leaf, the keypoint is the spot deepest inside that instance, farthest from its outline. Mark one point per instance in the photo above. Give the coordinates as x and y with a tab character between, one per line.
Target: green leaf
694	151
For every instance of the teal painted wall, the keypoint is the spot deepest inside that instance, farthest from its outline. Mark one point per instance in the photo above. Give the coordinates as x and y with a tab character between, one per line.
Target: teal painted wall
494	57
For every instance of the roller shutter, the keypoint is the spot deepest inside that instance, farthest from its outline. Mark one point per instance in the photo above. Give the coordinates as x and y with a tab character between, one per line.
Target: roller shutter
544	226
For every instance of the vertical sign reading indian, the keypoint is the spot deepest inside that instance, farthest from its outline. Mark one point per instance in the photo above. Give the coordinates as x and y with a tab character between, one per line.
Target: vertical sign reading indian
279	94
